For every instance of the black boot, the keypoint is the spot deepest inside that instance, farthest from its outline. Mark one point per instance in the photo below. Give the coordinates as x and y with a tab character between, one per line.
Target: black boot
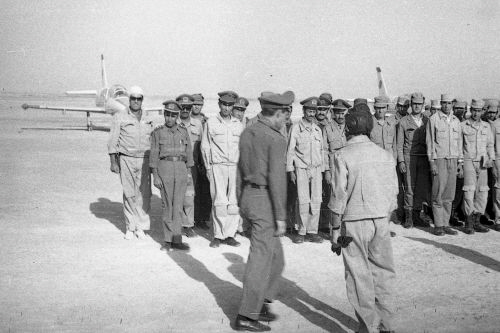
477	224
408	223
469	224
454	220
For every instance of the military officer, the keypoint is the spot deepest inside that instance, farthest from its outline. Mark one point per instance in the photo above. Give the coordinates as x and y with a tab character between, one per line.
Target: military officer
365	190
129	147
402	106
479	154
194	128
219	147
239	109
305	166
412	161
383	133
263	203
198	101
170	161
444	150
495	128
326	100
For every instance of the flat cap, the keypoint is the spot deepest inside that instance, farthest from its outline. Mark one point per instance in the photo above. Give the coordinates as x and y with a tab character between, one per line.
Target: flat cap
381	101
326	97
359	120
241	102
435	104
360	101
417	97
310	103
135	91
477	104
198	99
185	99
270	100
171	106
340	105
403	100
446	98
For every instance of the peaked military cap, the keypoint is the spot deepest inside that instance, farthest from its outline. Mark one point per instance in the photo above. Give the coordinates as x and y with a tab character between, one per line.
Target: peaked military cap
417	97
381	101
171	106
185	99
340	105
477	104
228	96
241	102
324	104
310	103
360	101
435	104
270	100
198	99
403	100
326	97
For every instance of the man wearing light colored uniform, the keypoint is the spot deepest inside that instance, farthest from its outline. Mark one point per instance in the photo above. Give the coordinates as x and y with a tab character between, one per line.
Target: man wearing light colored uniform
219	147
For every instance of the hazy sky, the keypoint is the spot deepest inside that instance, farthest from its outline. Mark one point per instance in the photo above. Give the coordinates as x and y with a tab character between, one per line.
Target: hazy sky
171	47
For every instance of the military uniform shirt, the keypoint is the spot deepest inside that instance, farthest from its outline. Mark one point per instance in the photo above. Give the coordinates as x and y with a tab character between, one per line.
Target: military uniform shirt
129	135
383	134
170	142
444	137
411	137
477	140
333	139
305	148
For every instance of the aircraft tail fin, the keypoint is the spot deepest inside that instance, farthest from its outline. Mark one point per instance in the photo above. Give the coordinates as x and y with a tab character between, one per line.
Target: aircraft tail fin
382	89
104	79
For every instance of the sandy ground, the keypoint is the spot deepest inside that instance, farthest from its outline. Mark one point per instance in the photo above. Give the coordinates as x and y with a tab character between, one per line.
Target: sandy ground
64	265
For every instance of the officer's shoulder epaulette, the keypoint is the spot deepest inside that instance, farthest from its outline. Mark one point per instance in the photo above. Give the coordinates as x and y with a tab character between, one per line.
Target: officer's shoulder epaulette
158	128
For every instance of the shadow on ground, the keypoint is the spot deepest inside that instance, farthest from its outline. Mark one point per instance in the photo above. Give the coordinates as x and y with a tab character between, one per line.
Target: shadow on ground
463	252
299	300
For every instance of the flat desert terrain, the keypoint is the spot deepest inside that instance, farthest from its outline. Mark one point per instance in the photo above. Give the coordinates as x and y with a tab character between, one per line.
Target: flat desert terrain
65	267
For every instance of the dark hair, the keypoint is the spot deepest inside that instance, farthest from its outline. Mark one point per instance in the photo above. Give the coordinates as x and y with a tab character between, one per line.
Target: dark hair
359	120
271	111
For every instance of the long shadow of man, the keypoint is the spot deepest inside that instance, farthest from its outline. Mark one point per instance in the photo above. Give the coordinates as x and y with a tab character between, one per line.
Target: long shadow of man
112	211
463	252
297	299
226	294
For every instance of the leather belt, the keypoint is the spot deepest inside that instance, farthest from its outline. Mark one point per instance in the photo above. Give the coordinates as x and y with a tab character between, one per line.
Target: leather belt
174	158
261	187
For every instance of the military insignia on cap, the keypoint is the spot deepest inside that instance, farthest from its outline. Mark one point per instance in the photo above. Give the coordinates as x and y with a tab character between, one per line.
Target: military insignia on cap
171	106
314	102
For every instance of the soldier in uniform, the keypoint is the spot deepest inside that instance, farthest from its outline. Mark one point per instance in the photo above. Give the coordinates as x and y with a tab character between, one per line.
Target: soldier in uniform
402	107
263	203
239	109
459	108
435	106
364	192
128	147
412	161
479	155
170	161
219	147
383	133
203	200
326	99
493	206
305	165
194	128
444	150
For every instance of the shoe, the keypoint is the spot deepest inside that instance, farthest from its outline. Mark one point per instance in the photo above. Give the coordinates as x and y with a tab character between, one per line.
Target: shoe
315	238
167	246
480	228
215	243
243	323
385	331
129	235
439	231
418	219
469	225
496	226
299	239
266	315
189	232
450	231
140	234
180	246
232	242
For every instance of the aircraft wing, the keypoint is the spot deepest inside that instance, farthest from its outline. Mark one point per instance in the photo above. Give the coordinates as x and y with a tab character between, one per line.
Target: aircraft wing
81	92
64	109
159	110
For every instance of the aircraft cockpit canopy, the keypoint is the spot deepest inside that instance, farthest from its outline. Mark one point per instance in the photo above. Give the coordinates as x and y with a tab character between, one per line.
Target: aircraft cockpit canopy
117	91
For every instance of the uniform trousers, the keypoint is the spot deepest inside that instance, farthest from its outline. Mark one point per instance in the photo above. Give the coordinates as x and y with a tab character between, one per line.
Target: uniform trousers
188	206
417	173
135	177
443	190
370	273
401	193
265	261
173	175
475	187
496	189
309	196
325	217
225	213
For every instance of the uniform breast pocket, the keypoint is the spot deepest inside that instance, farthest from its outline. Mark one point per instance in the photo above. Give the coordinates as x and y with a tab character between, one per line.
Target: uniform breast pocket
303	143
218	135
235	135
441	134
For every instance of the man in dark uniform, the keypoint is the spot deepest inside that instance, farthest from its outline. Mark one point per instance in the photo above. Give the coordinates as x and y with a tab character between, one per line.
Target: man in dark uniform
263	202
323	119
171	159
